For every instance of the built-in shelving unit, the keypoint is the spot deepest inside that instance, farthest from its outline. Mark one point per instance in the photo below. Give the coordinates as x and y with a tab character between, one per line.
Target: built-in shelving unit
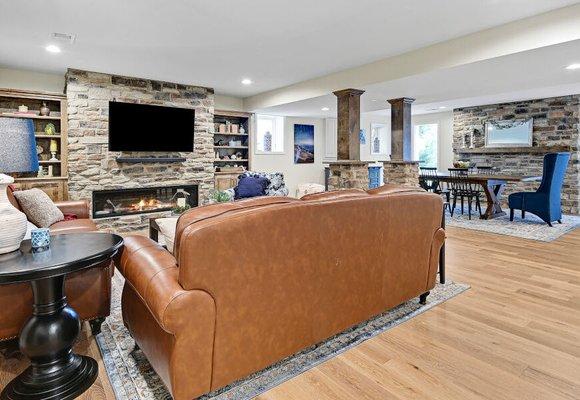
232	133
54	178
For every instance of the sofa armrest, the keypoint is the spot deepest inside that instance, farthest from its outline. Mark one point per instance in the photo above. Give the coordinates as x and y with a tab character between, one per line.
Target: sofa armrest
78	207
186	316
152	272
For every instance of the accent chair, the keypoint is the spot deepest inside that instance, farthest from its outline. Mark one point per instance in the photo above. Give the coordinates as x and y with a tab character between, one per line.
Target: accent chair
546	201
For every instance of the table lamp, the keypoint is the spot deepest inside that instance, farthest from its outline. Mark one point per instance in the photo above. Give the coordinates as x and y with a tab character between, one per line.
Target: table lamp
17	154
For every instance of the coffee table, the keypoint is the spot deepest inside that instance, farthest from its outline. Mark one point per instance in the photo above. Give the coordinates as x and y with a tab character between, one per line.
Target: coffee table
56	372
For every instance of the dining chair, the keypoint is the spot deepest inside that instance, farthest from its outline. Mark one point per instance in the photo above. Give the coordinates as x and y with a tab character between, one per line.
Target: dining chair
462	187
429	180
546	202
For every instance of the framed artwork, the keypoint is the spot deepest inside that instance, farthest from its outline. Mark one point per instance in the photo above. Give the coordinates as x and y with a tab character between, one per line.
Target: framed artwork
378	134
303	144
509	133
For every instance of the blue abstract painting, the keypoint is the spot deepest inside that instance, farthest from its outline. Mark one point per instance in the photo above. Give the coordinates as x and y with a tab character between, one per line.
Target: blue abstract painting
303	144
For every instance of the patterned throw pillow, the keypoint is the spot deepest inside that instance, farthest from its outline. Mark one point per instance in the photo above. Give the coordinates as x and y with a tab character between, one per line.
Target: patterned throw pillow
38	207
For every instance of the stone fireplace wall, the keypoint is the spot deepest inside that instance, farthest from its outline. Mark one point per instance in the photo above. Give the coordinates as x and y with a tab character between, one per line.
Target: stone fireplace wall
93	167
556	124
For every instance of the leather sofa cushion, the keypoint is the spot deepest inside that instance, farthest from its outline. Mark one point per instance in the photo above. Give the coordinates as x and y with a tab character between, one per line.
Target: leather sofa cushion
73	226
335	194
391	188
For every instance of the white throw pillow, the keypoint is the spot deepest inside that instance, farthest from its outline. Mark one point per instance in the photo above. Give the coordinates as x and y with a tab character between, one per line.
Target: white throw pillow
167	227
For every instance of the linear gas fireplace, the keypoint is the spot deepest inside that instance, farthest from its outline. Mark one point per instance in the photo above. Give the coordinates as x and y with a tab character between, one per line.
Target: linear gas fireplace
117	202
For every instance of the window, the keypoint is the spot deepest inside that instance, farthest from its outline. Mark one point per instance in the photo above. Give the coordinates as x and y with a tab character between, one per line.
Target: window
379	133
269	134
425	144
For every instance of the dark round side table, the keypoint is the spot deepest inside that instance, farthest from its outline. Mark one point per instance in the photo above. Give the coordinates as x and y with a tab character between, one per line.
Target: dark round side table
50	333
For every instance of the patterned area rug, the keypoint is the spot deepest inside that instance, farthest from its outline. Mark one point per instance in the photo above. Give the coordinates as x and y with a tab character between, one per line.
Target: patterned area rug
531	227
132	377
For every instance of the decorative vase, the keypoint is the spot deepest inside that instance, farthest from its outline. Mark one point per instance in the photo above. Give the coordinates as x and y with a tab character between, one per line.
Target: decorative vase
22	109
44	110
12	221
242	130
267	141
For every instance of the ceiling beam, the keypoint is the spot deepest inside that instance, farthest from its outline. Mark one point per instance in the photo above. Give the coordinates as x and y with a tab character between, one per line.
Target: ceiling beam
551	28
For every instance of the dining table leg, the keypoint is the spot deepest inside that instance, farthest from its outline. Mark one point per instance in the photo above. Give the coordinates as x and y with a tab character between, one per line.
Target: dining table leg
493	191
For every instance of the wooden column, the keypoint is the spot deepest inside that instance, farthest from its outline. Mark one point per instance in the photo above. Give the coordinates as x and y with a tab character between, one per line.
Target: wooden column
348	139
401	129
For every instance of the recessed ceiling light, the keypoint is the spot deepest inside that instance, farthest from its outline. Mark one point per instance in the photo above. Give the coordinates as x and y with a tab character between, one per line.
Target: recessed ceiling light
246	81
573	66
374	100
325	109
51	48
442	107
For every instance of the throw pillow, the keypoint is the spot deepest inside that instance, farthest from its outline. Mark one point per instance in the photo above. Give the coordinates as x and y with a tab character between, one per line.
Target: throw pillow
38	207
250	186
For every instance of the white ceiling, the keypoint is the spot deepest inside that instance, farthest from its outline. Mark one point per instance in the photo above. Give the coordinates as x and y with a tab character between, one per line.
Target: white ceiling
216	43
532	74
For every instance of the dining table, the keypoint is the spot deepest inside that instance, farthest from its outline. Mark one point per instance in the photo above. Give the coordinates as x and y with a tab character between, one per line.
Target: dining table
493	186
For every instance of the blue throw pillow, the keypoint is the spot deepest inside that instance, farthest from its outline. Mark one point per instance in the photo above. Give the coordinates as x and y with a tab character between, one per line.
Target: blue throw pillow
249	186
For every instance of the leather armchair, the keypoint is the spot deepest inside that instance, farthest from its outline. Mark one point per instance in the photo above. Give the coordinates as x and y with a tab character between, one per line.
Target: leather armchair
88	292
255	281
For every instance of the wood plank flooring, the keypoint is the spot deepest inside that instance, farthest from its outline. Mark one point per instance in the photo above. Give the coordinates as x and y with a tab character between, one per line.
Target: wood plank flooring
514	335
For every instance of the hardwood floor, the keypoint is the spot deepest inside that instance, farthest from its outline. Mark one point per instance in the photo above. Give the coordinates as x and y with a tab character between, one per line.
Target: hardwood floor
514	335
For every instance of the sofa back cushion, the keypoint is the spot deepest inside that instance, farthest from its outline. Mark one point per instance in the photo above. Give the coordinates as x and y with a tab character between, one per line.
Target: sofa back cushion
285	276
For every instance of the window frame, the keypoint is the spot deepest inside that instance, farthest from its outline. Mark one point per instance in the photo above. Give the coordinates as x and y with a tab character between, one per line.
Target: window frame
278	123
437	137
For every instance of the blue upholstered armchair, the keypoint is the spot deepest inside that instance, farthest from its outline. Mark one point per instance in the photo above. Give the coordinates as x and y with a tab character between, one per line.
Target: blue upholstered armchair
546	201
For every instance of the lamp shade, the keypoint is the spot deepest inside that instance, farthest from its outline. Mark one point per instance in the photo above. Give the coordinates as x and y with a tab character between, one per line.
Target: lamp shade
17	145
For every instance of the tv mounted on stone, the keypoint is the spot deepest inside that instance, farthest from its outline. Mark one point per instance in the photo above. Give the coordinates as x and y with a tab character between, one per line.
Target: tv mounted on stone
150	129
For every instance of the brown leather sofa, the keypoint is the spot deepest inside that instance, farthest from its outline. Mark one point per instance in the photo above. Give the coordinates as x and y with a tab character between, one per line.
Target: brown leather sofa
88	291
255	281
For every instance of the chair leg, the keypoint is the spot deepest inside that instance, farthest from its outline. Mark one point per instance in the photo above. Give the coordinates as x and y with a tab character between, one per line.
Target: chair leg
469	201
550	225
454	204
478	204
559	221
523	214
96	325
511	214
423	298
462	198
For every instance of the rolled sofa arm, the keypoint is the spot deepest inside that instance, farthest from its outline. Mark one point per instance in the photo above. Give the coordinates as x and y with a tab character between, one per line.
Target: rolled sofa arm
80	208
436	244
157	311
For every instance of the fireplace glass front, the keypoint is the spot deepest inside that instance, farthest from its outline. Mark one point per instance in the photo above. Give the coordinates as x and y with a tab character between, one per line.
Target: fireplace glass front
116	202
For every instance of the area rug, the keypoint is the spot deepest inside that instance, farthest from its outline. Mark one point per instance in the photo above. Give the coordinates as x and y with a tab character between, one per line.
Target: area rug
531	227
132	377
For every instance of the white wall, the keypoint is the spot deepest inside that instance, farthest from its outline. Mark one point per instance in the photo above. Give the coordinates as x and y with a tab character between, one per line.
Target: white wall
294	174
29	80
365	149
228	103
445	139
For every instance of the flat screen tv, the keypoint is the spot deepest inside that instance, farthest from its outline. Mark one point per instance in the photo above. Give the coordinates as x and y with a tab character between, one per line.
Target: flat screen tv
147	128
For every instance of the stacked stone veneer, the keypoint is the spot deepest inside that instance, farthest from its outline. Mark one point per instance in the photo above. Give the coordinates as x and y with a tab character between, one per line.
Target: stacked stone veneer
93	167
404	173
556	123
348	175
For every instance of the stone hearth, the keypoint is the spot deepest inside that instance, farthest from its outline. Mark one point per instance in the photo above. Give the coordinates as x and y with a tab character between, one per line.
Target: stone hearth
556	124
93	167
